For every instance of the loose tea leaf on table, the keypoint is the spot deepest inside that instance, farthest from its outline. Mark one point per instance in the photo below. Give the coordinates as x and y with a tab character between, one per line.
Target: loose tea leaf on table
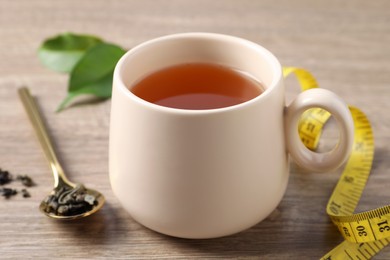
26	180
5	177
7	192
25	193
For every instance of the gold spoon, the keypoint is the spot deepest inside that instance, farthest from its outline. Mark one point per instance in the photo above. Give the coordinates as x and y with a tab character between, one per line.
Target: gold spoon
91	200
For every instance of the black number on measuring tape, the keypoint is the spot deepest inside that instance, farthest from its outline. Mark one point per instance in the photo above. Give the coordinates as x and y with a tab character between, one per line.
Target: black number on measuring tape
305	141
335	207
348	179
361	231
310	127
383	226
359	146
346	232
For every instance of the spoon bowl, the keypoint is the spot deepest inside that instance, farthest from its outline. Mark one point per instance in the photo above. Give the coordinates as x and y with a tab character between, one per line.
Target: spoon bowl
99	198
67	200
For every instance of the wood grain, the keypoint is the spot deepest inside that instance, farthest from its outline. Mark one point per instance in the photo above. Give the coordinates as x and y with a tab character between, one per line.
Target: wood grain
345	44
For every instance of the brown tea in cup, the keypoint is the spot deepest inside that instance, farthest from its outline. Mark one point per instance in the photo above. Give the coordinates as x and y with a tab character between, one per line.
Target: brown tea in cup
197	86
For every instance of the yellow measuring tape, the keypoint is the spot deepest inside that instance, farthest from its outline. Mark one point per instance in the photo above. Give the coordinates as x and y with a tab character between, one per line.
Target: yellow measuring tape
365	233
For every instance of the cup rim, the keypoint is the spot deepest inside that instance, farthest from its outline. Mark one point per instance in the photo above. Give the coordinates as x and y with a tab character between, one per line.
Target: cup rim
277	68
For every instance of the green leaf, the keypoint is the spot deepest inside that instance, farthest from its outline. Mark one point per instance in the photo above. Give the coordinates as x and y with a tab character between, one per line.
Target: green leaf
62	52
93	73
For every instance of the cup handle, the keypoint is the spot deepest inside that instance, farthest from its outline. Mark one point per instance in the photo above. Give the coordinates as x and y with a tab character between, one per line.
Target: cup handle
329	101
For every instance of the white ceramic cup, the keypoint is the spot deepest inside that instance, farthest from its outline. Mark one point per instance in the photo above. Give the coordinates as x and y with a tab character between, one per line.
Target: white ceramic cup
210	173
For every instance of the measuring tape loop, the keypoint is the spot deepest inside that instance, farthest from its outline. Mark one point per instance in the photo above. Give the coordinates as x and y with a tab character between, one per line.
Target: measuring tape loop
365	233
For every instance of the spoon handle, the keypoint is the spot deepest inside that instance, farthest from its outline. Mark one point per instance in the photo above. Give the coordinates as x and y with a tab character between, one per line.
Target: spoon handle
43	136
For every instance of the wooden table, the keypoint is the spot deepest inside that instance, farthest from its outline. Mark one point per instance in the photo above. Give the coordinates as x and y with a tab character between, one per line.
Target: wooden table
345	44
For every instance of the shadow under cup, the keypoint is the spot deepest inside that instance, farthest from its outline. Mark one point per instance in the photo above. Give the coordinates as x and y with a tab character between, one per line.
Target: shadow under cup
198	173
